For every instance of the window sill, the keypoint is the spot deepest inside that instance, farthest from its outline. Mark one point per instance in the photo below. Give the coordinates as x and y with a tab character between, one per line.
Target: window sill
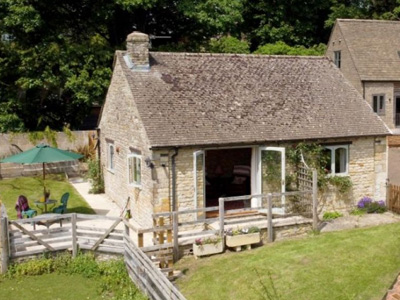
338	174
111	171
134	185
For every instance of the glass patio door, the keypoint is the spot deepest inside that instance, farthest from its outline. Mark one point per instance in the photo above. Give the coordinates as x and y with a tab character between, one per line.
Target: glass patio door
271	177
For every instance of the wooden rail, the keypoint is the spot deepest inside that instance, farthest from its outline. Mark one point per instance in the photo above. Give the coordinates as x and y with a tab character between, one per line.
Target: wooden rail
95	233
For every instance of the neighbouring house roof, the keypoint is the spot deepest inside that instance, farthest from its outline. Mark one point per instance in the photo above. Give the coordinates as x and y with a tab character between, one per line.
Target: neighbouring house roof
374	46
216	99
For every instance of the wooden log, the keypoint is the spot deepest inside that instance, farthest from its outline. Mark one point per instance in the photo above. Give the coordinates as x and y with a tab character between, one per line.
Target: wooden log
221	216
155	275
155	229
4	243
32	236
106	234
315	199
140	240
96	217
175	228
74	236
270	226
156	247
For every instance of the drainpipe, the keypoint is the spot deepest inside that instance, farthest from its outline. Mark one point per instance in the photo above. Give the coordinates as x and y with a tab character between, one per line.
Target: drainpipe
173	165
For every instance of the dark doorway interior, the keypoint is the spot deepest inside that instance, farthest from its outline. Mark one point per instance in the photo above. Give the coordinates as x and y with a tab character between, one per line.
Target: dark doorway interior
228	174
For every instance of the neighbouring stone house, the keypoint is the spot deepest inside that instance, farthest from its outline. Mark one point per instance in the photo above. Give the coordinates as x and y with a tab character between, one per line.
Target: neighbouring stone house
178	130
368	52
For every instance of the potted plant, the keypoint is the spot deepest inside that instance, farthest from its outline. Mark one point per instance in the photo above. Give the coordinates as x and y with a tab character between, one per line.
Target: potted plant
207	246
236	238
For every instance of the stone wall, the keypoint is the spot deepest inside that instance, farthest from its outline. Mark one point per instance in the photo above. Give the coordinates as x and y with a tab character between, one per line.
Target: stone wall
368	173
387	89
121	126
15	143
337	43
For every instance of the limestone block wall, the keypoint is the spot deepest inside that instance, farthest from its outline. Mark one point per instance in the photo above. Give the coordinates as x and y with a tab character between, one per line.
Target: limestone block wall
337	43
121	125
367	170
368	173
386	88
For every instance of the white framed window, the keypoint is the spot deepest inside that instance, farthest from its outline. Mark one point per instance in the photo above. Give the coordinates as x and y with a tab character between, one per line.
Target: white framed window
337	58
134	169
378	104
110	156
337	160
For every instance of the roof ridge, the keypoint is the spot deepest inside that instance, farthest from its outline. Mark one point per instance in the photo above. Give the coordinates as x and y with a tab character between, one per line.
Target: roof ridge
206	54
368	21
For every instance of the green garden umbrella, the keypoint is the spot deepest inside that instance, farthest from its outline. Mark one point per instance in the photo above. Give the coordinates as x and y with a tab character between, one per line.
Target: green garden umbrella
42	154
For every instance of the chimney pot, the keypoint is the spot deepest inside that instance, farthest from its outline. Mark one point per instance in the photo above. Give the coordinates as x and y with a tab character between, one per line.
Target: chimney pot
137	46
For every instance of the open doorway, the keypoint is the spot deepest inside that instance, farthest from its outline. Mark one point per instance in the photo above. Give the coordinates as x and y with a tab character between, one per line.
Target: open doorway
228	174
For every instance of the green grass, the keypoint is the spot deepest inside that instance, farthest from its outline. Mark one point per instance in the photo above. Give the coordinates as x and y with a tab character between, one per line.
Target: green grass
353	264
50	287
32	188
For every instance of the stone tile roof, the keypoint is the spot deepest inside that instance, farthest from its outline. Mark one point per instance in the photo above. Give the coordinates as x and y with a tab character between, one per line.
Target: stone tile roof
214	99
374	46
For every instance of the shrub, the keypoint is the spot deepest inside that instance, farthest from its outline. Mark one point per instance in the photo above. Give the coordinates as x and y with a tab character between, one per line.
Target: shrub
331	215
95	177
366	204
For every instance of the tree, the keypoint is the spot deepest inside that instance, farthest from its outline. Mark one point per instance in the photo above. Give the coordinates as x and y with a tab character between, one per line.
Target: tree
294	22
58	60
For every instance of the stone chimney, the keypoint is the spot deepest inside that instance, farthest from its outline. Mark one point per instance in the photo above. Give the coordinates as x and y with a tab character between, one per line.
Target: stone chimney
137	46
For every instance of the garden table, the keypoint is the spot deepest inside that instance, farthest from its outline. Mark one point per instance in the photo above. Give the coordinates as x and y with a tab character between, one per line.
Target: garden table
45	203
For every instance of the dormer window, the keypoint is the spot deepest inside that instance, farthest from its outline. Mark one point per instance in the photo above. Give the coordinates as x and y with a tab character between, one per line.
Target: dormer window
337	58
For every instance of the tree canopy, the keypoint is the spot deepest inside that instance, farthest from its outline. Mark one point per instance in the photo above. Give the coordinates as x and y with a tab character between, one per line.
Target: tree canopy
56	56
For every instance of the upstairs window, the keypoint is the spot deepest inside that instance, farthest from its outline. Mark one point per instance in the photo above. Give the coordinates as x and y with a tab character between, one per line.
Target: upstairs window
134	168
110	156
337	58
378	102
337	160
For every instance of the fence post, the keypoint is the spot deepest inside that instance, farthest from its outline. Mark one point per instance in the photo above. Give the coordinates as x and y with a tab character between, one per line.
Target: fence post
270	226
4	244
221	217
74	243
388	198
170	260
140	239
315	198
175	224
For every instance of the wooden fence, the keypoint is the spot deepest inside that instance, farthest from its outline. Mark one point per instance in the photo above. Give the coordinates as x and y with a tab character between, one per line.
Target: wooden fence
32	237
393	197
263	216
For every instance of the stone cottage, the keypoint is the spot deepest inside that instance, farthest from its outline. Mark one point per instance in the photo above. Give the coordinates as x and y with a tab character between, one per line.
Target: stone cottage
178	130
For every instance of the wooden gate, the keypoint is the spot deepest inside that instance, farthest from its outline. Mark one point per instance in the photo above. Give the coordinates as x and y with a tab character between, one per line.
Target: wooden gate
393	198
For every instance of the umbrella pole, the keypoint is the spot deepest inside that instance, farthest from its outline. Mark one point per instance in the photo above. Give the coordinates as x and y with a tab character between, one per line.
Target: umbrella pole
44	176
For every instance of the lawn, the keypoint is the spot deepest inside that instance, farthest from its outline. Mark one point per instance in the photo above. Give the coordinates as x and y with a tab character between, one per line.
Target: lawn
32	188
50	287
353	264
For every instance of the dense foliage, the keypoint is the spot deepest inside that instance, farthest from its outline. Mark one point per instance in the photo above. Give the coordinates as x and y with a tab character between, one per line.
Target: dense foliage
113	279
56	57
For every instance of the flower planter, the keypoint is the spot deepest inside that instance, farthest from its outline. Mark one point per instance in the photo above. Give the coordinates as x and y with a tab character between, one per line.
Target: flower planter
237	241
207	249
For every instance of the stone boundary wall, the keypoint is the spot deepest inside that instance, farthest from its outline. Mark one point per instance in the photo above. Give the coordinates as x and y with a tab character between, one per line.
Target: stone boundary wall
13	143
